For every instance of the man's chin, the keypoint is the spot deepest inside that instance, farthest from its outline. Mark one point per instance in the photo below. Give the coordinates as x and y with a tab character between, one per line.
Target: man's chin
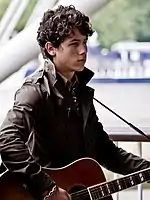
79	69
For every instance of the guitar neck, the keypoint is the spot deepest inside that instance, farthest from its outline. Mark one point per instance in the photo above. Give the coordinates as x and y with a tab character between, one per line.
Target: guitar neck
105	189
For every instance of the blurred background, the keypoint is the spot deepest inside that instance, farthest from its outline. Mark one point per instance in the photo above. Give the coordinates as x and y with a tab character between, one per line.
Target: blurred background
118	53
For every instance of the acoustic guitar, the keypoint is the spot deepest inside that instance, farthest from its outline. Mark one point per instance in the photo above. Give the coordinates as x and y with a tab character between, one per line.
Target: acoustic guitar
83	179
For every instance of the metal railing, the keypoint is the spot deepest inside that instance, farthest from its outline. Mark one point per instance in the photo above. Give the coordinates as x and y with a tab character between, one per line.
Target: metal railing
130	138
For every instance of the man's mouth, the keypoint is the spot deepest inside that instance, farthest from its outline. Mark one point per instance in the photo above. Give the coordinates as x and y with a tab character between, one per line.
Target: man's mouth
82	60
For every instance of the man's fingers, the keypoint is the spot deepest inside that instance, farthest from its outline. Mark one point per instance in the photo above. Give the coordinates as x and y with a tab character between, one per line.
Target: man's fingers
69	196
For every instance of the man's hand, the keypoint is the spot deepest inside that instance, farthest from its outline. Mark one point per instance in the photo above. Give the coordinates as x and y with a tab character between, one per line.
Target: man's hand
60	194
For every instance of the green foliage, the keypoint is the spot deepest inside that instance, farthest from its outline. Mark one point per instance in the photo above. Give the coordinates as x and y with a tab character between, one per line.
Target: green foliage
142	23
123	20
3	6
26	15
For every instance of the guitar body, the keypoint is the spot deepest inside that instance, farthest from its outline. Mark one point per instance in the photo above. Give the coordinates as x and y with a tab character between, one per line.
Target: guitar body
74	177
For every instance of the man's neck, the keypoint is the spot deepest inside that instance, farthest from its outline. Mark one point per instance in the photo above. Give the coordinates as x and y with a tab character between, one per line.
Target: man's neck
63	77
66	76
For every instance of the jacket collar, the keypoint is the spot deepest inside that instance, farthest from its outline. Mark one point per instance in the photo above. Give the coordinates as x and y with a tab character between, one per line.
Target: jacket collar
83	77
87	93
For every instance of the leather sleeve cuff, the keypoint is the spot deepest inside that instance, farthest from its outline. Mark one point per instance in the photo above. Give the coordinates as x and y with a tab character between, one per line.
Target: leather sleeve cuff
39	184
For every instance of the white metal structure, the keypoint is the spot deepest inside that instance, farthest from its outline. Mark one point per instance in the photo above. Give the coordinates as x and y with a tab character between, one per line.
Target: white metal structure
23	47
12	22
8	15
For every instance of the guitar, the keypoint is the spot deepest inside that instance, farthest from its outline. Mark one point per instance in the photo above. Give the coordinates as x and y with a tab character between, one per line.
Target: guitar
82	179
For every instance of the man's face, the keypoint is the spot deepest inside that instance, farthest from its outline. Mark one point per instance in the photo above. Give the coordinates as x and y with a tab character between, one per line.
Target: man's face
70	56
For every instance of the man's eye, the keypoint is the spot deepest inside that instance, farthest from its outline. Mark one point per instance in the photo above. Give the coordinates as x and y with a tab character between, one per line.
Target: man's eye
74	44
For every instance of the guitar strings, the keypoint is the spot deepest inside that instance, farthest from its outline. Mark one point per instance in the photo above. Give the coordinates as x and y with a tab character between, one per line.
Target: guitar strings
84	192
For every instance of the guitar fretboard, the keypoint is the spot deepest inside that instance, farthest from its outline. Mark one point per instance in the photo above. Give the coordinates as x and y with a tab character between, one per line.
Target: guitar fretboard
105	189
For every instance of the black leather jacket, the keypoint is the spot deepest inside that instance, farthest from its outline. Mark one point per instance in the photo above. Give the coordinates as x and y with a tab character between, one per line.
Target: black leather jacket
40	130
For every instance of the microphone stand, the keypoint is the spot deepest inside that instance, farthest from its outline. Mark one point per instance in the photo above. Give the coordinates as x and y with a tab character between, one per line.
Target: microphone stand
125	121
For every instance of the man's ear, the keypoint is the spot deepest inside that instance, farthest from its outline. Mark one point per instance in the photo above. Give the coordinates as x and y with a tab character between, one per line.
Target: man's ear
50	48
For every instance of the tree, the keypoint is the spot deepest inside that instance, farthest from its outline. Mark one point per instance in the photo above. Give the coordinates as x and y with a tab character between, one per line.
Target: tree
123	20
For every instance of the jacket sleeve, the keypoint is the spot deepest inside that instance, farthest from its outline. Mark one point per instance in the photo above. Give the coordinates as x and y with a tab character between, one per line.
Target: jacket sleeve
112	157
14	133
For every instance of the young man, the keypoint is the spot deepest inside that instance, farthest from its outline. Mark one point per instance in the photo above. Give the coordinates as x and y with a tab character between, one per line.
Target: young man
53	121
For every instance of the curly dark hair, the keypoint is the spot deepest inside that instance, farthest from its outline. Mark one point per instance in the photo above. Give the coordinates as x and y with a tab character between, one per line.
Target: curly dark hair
57	24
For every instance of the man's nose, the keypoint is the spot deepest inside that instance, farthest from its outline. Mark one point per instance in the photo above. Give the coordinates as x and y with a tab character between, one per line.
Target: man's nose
83	49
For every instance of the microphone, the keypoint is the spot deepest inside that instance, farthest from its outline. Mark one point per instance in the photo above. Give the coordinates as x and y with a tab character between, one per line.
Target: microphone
125	121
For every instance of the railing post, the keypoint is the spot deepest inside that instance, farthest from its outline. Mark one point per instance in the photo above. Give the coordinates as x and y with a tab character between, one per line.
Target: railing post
140	188
115	177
